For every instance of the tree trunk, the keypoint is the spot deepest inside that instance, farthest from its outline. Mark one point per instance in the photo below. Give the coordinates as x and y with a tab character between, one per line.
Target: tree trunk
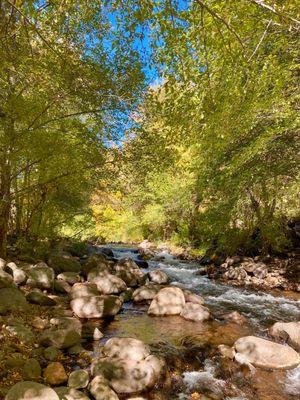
5	205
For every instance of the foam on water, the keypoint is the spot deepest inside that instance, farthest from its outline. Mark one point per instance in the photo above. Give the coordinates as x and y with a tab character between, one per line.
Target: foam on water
258	306
292	385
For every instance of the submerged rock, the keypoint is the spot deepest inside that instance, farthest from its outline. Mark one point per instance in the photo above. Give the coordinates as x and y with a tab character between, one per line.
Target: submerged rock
235	317
78	379
195	312
168	301
263	353
55	374
288	331
28	390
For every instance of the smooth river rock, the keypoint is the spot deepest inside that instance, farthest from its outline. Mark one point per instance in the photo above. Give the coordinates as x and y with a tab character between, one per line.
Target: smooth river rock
64	263
28	390
263	353
60	338
195	312
168	301
96	307
126	348
288	331
86	289
41	276
109	284
158	276
128	365
146	292
78	379
99	388
67	393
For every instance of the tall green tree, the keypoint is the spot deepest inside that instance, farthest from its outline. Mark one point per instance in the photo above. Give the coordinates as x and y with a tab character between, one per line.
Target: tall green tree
66	77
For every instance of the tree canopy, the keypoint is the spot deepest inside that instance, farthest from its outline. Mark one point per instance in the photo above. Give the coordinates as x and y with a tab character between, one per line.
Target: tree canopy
174	120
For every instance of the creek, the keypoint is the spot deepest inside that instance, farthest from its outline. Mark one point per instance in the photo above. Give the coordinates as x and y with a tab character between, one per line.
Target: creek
176	337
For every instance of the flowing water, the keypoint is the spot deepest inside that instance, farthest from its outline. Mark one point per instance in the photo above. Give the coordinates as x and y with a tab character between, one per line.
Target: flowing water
174	334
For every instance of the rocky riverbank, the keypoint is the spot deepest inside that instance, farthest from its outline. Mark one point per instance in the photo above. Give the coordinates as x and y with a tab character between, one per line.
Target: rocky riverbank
63	325
260	272
263	272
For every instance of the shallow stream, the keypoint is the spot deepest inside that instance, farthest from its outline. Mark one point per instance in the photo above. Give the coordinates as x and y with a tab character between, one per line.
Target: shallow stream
188	341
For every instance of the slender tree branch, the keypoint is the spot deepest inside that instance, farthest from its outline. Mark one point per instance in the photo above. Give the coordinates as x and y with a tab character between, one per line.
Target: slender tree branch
270	8
96	111
33	26
260	41
217	16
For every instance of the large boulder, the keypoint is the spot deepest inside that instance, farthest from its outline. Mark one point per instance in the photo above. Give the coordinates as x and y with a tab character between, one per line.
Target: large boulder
135	376
128	365
109	284
158	276
6	280
195	312
168	301
146	292
86	289
263	353
96	307
41	276
64	263
28	390
60	338
288	331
